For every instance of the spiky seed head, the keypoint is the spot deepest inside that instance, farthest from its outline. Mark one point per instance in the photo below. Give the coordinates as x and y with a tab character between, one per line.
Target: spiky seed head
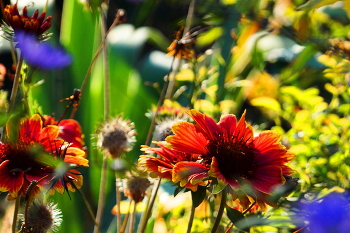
43	217
163	128
116	136
136	188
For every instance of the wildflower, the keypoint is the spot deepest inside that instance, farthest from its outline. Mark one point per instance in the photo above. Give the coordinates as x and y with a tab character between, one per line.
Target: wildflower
41	54
116	137
42	218
30	158
236	158
35	25
179	167
136	188
330	214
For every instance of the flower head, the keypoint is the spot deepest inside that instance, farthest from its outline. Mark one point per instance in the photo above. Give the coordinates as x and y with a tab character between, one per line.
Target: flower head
41	54
236	157
35	25
116	137
34	157
330	214
43	218
136	188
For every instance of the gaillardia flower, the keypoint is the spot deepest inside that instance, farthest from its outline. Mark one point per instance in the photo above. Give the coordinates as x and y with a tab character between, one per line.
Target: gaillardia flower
35	25
179	167
235	156
34	157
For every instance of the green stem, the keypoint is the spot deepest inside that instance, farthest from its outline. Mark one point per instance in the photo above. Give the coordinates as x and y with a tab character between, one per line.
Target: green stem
15	213
126	218
133	217
15	84
190	221
118	200
220	212
102	193
150	207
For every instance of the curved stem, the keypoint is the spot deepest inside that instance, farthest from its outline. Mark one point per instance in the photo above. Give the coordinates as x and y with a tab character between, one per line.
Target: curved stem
220	212
15	213
101	199
88	206
15	84
160	102
190	221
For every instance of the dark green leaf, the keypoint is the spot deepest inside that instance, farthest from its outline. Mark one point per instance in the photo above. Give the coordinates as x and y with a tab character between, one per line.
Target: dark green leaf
178	190
236	216
198	196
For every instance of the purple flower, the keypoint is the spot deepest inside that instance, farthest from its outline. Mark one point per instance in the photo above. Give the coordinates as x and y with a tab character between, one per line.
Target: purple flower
330	214
41	54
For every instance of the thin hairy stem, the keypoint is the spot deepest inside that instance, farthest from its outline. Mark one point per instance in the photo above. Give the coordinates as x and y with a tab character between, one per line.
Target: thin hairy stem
102	194
126	218
88	206
220	212
159	104
15	84
118	200
133	217
106	116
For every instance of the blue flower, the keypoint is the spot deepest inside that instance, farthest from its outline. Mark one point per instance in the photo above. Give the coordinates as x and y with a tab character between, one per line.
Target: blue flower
329	215
41	54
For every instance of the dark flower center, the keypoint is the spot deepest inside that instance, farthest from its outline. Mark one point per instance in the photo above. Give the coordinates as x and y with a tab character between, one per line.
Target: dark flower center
20	158
234	156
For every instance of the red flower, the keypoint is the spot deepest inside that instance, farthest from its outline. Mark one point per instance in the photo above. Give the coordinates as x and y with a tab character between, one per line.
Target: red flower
24	161
235	156
177	166
35	24
69	130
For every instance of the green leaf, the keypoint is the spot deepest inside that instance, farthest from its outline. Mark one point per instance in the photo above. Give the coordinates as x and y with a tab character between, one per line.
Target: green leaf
198	196
236	216
218	187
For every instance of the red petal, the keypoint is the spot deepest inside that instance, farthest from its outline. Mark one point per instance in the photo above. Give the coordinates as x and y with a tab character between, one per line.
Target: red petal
31	128
187	139
266	177
183	172
207	124
10	181
228	124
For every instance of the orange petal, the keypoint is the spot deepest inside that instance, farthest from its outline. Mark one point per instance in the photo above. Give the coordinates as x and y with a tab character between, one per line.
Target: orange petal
187	139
